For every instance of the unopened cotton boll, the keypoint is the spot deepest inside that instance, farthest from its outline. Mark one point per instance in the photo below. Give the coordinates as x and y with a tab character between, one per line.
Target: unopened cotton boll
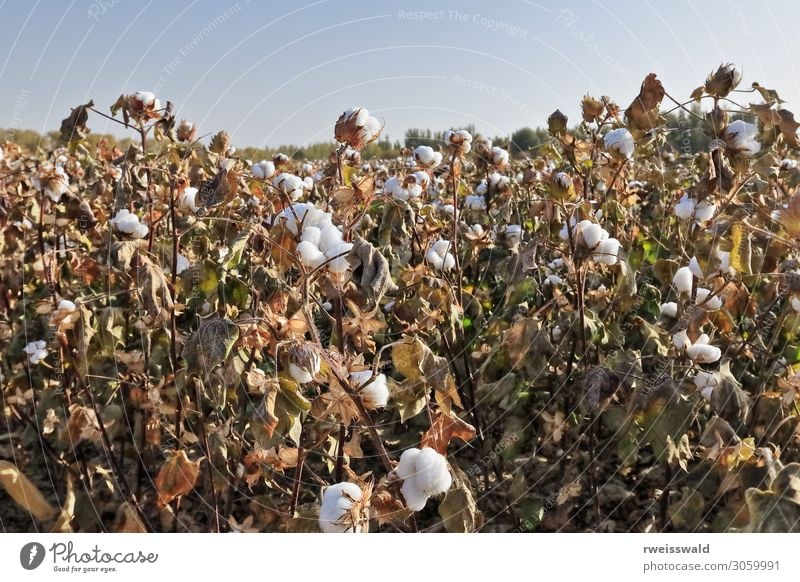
702	352
427	157
310	255
682	281
619	142
336	511
704	300
669	309
425	474
375	394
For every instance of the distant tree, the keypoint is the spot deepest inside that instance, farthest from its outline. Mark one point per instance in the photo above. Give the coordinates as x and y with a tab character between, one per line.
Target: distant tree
525	139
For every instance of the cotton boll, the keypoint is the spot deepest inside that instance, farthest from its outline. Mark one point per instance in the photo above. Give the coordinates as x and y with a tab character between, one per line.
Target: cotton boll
682	281
187	200
591	233
128	223
435	260
422	179
705	383
514	234
427	157
66	306
375	394
553	280
476	230
475	202
704	211
181	264
440	256
702	299
432	475
684	209
607	252
498	156
310	255
338	257
301	375
407	465
311	234
702	352
36	351
669	309
741	136
329	237
724	261
413	495
681	340
795	303
694	267
264	170
563	180
337	504
619	142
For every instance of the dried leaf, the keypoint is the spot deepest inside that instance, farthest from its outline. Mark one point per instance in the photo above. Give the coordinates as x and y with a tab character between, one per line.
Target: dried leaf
176	477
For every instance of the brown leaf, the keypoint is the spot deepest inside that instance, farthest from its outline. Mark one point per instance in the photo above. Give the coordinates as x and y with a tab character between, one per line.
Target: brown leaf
444	428
458	509
73	127
176	477
643	113
24	492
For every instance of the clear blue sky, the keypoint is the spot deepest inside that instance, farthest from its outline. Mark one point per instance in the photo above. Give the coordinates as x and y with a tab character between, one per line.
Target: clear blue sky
281	72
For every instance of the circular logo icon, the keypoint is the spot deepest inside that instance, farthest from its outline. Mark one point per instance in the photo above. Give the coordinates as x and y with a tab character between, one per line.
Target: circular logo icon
31	555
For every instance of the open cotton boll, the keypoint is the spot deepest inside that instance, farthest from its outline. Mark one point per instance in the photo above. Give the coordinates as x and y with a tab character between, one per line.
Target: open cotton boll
414	496
694	267
607	251
329	237
795	303
187	200
592	233
702	352
705	383
440	256
375	394
66	306
427	157
311	234
741	136
301	375
293	186
395	188
704	211
514	234
553	280
681	340
498	156
724	261
682	281
36	351
128	223
684	209
710	303
425	473
335	514
338	255
474	202
310	255
669	309
619	142
563	180
264	170
422	179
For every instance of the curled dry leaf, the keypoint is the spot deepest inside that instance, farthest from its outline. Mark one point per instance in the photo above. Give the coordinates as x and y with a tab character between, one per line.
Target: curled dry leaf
177	476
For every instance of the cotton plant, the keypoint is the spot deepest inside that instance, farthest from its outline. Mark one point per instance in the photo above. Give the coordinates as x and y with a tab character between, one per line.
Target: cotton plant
374	392
357	128
619	143
425	473
321	242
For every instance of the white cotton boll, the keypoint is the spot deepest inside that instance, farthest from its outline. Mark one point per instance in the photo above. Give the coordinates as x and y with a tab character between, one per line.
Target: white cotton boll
264	170
563	180
557	334
36	351
703	353
619	142
556	263
553	280
795	303
786	164
514	234
440	255
300	375
476	229
705	383
498	156
413	495
684	209
422	179
337	501
140	231
592	233
702	299
375	394
311	234
741	136
187	200
681	340
704	212
128	223
338	255
308	182
607	251
181	264
67	306
669	309
427	157
329	237
310	255
147	98
724	261
474	202
432	474
435	259
694	267
682	281
407	465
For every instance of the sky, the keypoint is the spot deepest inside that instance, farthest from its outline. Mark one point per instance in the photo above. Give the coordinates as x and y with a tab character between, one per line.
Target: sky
281	72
